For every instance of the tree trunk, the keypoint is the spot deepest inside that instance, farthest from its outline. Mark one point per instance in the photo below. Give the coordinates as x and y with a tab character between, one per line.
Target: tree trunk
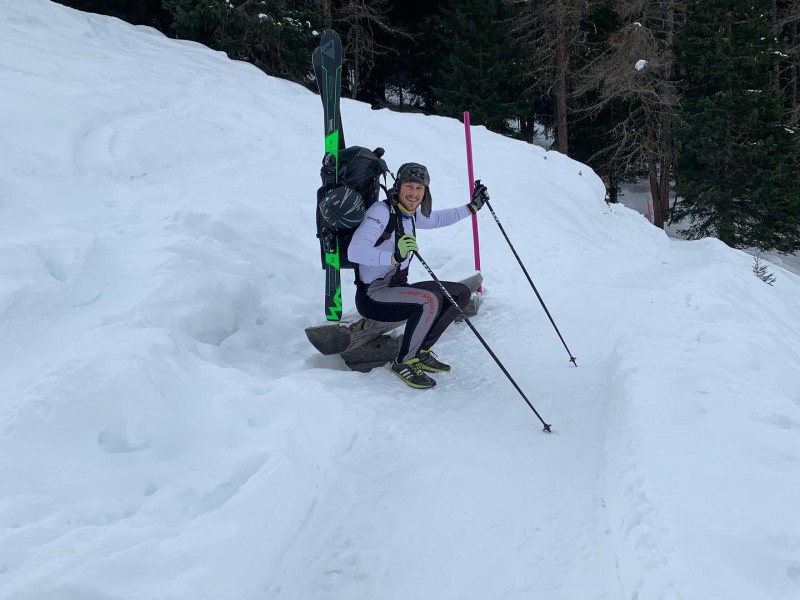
667	154
612	188
795	91
666	176
327	17
561	80
794	74
659	172
667	157
355	70
776	67
658	208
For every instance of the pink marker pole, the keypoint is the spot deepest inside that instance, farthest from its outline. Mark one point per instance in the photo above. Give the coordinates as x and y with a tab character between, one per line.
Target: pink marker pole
475	240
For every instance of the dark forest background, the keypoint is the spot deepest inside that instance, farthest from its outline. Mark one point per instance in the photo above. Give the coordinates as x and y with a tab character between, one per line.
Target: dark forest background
699	98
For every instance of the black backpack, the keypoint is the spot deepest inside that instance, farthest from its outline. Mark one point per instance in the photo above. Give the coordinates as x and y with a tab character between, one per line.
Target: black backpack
341	204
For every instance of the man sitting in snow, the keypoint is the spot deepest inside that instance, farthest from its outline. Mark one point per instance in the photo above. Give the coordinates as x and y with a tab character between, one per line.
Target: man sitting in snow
383	292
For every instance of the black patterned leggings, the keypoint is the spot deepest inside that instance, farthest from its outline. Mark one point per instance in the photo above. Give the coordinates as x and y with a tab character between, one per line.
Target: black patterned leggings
426	309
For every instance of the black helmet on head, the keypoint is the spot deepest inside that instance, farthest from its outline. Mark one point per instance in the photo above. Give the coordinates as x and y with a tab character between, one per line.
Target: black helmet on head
416	173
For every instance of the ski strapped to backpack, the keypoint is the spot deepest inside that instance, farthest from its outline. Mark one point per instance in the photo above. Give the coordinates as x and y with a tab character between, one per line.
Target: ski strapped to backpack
327	63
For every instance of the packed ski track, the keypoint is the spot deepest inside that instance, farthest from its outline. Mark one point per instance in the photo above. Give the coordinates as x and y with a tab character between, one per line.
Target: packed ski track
471	448
167	432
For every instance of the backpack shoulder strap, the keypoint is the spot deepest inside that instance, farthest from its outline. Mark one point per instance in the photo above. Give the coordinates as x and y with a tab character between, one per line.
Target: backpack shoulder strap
392	226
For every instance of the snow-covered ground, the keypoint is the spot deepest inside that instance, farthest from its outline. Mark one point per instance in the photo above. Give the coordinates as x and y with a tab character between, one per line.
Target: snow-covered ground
167	432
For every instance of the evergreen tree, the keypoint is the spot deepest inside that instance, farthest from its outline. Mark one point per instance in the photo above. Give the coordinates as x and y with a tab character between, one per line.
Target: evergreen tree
214	23
367	35
550	33
632	83
737	170
277	36
481	69
786	29
408	78
281	35
591	130
143	12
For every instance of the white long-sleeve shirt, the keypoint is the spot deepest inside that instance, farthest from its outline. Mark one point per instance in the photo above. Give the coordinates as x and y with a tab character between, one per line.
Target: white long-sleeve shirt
374	263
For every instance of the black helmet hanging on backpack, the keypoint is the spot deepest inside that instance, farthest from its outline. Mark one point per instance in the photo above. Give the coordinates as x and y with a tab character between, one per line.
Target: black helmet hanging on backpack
342	207
416	173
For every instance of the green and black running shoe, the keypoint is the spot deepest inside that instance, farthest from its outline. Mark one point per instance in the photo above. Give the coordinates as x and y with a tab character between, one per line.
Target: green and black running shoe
411	372
429	362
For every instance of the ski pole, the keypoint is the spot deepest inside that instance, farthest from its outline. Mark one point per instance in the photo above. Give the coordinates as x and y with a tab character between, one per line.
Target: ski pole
478	335
572	359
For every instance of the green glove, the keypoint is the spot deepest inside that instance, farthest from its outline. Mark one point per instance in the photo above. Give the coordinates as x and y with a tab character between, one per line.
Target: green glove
405	244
